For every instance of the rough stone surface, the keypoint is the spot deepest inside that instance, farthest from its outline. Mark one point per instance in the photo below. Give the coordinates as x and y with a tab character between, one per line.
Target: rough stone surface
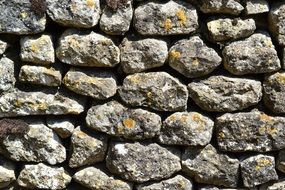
232	7
279	185
63	127
7	172
221	188
225	94
7	78
256	7
281	161
277	21
3	47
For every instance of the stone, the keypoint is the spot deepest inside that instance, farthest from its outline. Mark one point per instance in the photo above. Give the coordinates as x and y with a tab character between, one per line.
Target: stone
256	7
250	131
220	188
259	169
7	172
281	161
142	162
226	29
40	75
96	84
279	185
170	18
37	49
42	176
231	7
192	58
7	78
115	119
157	90
63	127
207	165
96	179
22	17
86	149
276	21
87	49
3	47
225	94
74	13
138	55
186	128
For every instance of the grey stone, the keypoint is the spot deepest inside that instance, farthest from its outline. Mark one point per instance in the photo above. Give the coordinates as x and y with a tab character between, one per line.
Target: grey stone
256	7
220	188
141	162
281	161
157	90
193	58
276	21
3	47
138	55
279	185
257	170
170	18
7	172
232	7
115	119
63	127
7	78
186	128
225	94
87	49
206	165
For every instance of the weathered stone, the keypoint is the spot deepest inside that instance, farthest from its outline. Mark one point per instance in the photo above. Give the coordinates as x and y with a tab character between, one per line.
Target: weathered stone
74	13
193	58
186	128
156	90
257	170
206	165
115	119
87	49
63	127
3	47
170	18
276	21
38	50
40	75
97	84
220	188
281	161
7	78
256	7
250	131
225	94
141	162
7	174
141	54
86	149
253	55
96	179
41	176
232	7
279	185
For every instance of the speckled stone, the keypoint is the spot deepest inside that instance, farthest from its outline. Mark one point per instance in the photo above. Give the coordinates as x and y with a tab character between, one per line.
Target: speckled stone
231	7
7	172
63	127
256	7
7	72
3	47
276	21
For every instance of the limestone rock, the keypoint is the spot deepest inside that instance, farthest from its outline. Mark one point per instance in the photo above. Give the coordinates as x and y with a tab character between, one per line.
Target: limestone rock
3	47
281	161
232	7
220	188
256	7
276	21
7	172
63	127
279	185
7	78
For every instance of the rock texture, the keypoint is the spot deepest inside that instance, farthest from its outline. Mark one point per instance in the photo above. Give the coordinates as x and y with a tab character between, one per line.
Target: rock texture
231	7
276	21
256	7
7	77
7	172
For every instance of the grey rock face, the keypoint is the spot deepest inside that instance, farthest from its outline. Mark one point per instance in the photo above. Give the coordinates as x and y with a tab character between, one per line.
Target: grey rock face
41	176
87	49
232	7
156	90
7	78
186	128
255	54
140	162
281	161
7	174
279	185
142	54
94	178
206	165
277	21
193	58
115	119
225	94
3	47
256	7
171	18
63	127
257	170
220	188
74	13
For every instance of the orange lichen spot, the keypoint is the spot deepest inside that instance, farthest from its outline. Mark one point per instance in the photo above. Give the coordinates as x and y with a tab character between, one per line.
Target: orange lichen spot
280	78
129	123
168	24
172	118
265	118
181	17
184	118
195	62
197	117
174	54
90	3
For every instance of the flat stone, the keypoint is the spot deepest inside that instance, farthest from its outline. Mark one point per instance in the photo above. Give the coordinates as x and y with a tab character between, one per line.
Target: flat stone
250	131
63	127
41	176
281	161
141	162
231	7
96	84
221	188
115	119
138	55
7	78
3	47
7	172
256	7
225	94
208	166
87	49
74	13
186	128
192	58
157	90
279	185
170	18
94	178
276	21
257	170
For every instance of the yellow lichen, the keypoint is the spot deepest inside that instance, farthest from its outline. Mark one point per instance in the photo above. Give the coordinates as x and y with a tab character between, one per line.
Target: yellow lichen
172	118
195	62
24	15
168	24
129	123
181	17
135	78
184	118
262	162
268	43
265	118
34	47
90	3
174	54
280	78
221	135
262	129
73	43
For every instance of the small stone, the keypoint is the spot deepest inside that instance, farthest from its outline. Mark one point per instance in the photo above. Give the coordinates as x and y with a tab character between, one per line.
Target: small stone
206	165
281	161
7	174
193	58
257	170
38	50
276	21
41	176
138	55
256	7
186	128
232	7
170	18
97	84
279	185
157	90
142	162
74	13
115	119
3	47
96	179
7	78
63	127
87	49
225	94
